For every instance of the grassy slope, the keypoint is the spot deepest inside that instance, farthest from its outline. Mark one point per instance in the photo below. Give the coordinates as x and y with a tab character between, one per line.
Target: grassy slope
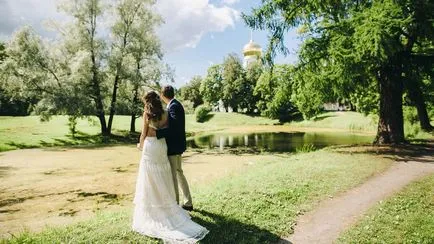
351	121
23	132
407	217
257	206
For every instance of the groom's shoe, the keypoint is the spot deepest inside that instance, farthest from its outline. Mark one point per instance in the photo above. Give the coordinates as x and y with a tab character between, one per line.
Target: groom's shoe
188	208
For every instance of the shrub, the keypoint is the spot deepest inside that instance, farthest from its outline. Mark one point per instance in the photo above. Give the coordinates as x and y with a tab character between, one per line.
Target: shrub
202	113
188	106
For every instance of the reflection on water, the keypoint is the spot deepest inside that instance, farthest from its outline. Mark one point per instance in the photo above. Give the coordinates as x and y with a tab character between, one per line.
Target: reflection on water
277	142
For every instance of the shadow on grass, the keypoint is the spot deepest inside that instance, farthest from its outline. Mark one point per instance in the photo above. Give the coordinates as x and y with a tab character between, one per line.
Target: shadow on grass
228	230
81	139
208	117
323	117
423	151
15	145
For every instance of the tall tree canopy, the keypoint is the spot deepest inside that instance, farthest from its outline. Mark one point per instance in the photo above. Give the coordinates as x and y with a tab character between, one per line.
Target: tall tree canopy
211	87
81	73
350	44
191	91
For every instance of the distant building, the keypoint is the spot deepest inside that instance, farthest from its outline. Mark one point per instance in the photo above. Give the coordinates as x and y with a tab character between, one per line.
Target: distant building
252	52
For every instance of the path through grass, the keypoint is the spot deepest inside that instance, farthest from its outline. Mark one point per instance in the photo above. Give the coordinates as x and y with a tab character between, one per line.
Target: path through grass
407	217
257	206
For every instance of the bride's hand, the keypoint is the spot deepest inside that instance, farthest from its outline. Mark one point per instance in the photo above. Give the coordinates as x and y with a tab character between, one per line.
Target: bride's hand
139	147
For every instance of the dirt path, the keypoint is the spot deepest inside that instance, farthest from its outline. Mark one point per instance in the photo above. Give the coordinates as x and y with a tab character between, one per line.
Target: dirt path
325	223
55	187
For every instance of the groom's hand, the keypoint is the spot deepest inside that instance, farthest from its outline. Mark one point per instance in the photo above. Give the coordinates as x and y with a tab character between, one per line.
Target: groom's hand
139	147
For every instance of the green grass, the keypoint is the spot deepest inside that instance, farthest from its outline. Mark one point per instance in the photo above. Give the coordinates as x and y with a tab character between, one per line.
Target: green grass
30	132
220	121
351	121
256	206
407	217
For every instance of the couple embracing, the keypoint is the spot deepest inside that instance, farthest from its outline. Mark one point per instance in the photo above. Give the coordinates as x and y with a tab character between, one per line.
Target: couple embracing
157	212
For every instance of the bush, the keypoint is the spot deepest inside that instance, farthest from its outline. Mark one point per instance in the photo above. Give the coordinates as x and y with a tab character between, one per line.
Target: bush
410	115
202	113
188	106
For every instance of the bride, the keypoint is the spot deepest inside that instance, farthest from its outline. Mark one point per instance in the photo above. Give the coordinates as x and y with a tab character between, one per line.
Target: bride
156	213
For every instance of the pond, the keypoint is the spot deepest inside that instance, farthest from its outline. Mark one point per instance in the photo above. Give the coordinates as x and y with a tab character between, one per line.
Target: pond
277	141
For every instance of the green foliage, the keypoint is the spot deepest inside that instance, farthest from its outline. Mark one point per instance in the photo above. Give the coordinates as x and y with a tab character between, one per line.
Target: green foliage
202	113
188	106
2	52
275	93
191	91
233	81
306	148
211	87
348	46
407	217
366	99
248	97
82	73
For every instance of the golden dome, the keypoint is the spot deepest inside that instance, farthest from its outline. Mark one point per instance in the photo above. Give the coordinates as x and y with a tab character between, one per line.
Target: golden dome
252	48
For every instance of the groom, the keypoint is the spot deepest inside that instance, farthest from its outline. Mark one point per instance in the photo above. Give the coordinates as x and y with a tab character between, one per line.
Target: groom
176	143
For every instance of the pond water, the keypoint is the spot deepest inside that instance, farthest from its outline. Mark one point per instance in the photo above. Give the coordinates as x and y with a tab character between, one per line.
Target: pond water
277	141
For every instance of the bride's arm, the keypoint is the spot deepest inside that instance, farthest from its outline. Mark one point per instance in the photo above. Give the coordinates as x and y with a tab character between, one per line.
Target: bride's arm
144	132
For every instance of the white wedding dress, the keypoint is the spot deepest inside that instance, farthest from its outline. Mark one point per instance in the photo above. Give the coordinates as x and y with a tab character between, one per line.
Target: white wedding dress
156	213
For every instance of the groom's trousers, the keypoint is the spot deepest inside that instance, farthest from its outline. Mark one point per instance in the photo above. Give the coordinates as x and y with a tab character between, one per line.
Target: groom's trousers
179	179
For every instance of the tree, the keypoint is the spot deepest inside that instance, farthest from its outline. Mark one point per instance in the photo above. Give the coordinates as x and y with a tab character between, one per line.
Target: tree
80	73
248	98
191	91
233	79
274	90
83	43
211	87
350	43
134	25
2	52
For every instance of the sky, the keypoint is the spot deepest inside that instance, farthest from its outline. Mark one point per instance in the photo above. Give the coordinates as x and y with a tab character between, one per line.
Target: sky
195	33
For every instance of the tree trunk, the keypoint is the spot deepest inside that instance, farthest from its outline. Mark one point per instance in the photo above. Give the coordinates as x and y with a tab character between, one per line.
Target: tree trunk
391	123
416	96
98	103
113	102
133	123
133	113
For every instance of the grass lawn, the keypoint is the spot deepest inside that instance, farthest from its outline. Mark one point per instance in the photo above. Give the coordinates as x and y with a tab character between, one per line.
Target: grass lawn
351	121
407	217
29	131
256	206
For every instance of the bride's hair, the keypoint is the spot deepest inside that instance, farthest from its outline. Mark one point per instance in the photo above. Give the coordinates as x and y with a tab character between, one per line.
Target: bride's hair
153	106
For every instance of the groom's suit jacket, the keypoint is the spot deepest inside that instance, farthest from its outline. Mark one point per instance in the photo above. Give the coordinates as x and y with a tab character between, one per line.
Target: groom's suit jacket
175	132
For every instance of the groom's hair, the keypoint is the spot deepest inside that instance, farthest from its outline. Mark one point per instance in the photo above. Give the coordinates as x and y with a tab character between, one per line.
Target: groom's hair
168	91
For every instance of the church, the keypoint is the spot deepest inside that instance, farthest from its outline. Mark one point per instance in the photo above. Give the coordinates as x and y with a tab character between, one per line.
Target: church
252	52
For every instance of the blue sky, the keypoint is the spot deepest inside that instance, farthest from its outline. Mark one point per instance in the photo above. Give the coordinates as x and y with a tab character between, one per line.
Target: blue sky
195	35
214	46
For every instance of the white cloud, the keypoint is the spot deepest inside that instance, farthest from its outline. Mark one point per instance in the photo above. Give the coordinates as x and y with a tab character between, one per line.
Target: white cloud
230	2
186	21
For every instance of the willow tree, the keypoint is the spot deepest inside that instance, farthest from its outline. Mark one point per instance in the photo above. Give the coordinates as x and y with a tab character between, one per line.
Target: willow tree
79	72
348	44
133	33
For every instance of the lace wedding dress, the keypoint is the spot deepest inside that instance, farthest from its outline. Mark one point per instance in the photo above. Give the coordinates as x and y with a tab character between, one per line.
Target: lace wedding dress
156	213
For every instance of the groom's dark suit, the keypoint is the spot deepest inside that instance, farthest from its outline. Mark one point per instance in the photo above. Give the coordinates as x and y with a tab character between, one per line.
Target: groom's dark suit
175	132
176	145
